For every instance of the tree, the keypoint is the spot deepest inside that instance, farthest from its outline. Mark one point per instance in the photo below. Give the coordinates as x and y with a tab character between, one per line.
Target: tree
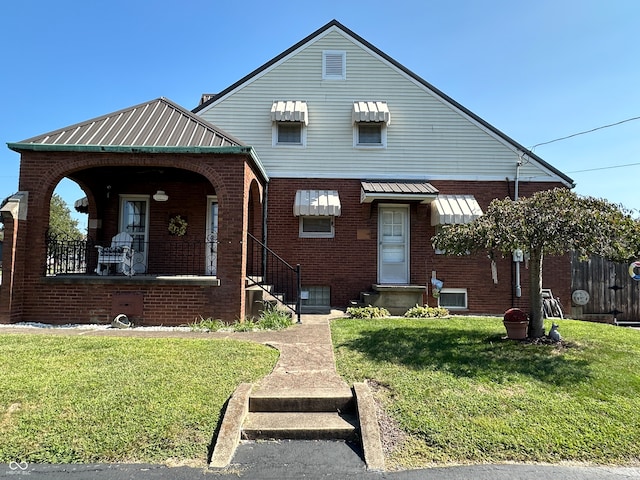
551	222
61	224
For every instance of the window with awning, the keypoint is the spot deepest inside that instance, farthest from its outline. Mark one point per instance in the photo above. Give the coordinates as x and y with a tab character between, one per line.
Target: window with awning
317	203
371	111
290	111
454	209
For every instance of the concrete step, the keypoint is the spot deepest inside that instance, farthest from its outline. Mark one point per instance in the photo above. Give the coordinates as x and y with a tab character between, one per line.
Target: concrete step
315	400
299	426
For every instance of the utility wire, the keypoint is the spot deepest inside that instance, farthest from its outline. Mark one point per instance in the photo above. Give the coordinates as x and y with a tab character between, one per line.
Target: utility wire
606	168
586	131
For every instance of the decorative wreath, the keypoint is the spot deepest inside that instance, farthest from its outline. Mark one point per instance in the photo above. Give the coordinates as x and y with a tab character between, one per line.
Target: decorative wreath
178	226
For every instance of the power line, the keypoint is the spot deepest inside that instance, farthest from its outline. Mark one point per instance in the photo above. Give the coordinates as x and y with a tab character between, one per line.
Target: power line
586	131
605	168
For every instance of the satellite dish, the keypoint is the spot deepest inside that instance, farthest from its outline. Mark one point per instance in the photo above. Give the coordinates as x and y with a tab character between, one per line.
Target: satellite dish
580	297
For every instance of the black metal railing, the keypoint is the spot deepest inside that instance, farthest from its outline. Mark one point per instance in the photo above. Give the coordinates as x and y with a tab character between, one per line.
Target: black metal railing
273	274
66	255
176	256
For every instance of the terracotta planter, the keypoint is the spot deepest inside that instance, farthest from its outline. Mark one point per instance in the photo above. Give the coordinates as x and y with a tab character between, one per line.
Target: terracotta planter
516	330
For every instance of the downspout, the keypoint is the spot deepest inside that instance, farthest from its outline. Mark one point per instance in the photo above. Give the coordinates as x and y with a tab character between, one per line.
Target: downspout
264	226
515	197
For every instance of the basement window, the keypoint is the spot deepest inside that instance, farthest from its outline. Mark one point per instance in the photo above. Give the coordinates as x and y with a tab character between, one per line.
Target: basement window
453	298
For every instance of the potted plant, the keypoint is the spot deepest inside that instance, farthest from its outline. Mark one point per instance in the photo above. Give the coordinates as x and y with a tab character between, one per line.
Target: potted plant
516	322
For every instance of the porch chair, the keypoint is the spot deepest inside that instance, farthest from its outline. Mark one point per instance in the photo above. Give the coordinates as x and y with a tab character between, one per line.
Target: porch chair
119	253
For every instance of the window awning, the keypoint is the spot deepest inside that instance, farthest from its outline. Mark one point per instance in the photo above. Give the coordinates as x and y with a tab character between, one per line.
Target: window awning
371	112
317	203
371	190
290	111
454	209
82	205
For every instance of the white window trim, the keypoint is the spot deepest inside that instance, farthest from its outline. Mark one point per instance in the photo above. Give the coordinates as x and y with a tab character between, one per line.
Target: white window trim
303	234
369	146
324	65
303	136
456	290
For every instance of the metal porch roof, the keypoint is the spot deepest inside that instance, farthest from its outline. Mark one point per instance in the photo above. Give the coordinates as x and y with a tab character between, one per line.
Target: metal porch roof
371	190
157	123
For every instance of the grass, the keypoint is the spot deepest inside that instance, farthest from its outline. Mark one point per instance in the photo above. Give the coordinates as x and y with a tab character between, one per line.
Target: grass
463	394
89	399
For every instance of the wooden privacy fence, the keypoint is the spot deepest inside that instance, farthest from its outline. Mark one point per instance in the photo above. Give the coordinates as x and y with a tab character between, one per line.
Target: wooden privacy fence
613	294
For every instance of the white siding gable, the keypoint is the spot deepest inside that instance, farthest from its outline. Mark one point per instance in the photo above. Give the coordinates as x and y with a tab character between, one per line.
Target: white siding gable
429	138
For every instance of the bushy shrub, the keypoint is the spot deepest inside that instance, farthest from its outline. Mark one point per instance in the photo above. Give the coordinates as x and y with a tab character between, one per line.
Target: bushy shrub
273	318
426	312
368	312
515	315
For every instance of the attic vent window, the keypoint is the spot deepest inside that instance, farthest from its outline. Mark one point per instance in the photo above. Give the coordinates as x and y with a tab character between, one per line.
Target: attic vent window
334	65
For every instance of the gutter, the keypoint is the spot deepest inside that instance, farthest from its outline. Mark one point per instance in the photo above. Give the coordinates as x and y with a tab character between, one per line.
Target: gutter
231	150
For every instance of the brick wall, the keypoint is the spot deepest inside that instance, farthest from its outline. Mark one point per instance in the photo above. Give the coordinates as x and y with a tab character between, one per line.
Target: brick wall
348	262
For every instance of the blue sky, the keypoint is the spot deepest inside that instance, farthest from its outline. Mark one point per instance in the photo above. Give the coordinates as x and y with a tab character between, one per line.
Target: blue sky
535	70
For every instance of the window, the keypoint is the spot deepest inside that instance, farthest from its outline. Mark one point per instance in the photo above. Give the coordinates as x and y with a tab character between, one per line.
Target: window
370	134
453	298
316	227
334	65
316	296
288	133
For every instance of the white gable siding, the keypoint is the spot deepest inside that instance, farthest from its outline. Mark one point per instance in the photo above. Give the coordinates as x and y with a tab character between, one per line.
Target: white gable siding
427	138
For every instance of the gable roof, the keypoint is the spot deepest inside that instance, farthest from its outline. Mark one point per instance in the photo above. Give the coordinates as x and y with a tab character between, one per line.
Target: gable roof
157	123
209	99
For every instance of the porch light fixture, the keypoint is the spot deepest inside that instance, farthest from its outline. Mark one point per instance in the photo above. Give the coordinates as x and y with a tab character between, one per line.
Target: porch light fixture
160	196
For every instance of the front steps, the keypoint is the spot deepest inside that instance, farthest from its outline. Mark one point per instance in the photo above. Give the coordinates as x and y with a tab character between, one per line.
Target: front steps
302	415
395	298
340	414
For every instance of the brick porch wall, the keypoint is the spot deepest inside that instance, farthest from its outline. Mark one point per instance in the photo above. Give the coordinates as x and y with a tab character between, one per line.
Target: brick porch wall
37	299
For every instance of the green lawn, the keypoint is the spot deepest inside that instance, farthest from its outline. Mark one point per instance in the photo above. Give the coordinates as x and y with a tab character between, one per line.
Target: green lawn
463	394
88	399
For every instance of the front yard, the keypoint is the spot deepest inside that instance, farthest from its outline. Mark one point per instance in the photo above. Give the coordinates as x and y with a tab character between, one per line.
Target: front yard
88	399
462	394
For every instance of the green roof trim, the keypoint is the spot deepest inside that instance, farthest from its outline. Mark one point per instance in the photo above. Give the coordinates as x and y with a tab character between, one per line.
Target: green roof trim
236	150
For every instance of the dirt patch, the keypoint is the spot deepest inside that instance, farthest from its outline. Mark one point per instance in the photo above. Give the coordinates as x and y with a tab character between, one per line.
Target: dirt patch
391	435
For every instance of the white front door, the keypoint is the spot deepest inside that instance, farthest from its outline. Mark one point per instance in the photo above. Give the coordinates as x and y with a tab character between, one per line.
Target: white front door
212	236
134	219
393	244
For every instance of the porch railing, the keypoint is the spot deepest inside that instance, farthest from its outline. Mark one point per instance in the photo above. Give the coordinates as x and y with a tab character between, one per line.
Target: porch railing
174	257
274	275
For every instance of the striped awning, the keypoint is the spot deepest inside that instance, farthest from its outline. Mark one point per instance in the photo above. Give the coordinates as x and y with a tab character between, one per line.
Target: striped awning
371	112
317	203
454	209
290	111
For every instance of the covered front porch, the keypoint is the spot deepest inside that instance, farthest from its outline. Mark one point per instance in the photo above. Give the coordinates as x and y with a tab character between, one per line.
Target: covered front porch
170	201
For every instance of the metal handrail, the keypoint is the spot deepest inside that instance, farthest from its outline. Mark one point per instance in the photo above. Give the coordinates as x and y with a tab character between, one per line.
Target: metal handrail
267	270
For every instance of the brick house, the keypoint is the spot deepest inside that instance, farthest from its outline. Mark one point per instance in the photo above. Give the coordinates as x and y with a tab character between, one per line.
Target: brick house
338	159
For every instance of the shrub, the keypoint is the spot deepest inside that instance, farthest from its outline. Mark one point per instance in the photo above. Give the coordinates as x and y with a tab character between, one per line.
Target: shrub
272	318
368	312
207	325
515	315
426	312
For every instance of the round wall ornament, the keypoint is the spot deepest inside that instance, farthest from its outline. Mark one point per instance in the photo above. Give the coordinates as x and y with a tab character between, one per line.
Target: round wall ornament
178	226
580	297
